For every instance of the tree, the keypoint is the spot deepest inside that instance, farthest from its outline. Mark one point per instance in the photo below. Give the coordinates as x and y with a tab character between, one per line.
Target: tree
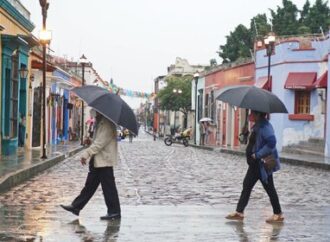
316	16
180	102
238	45
285	19
259	26
213	62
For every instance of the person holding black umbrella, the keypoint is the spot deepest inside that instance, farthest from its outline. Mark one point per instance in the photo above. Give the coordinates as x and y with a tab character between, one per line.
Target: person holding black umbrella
263	160
102	155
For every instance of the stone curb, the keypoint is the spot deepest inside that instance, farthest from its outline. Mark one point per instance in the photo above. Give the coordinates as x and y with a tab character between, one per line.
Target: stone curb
286	160
15	178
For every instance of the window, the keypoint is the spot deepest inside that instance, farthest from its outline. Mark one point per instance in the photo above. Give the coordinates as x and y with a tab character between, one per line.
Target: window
14	97
200	104
7	101
212	106
206	106
302	102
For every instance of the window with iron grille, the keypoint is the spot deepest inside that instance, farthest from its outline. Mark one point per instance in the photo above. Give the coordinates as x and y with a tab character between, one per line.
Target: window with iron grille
206	106
212	106
200	104
302	102
14	97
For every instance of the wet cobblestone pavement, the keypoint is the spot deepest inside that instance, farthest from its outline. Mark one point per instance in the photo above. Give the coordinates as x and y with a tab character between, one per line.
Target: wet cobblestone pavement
167	194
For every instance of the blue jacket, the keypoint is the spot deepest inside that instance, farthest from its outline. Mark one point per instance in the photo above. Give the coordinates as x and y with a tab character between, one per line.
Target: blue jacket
264	146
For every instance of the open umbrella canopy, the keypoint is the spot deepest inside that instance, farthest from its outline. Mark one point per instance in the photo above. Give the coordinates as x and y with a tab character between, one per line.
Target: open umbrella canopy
254	98
109	105
205	119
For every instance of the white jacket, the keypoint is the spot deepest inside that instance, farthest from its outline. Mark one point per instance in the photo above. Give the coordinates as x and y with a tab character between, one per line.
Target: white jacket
104	146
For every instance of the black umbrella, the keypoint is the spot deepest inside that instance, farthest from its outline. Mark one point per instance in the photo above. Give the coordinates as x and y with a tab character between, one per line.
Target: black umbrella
109	105
253	98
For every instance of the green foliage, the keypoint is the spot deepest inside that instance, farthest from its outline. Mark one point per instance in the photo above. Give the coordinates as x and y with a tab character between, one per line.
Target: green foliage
238	45
213	62
316	16
259	26
176	102
285	20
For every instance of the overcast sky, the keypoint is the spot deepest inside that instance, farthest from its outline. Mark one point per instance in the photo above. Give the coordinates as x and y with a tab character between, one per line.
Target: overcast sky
133	41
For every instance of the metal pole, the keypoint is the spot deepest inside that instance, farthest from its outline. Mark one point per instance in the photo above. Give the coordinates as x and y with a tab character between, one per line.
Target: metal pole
44	6
82	106
44	156
196	80
174	121
269	53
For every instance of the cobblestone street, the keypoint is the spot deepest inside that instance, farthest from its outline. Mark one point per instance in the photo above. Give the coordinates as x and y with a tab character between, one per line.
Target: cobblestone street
167	194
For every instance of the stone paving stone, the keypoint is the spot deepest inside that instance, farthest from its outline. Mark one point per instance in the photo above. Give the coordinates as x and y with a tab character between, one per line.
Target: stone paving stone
167	194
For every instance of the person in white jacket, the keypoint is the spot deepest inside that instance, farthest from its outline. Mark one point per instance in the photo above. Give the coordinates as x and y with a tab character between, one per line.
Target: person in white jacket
102	155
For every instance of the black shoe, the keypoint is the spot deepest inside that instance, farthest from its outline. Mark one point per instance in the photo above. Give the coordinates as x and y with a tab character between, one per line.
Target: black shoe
111	216
71	209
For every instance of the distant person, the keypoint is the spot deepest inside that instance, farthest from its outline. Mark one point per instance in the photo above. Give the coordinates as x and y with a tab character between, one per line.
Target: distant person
102	156
262	144
21	130
187	132
202	133
154	134
207	132
130	136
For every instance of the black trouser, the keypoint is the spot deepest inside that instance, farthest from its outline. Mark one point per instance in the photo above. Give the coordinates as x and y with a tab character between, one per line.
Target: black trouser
103	175
251	178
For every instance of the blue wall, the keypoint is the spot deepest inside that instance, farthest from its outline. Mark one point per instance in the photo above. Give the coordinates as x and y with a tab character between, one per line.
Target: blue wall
65	114
9	45
284	61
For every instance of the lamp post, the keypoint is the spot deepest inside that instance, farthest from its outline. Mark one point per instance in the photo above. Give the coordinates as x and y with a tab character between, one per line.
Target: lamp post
176	92
83	61
45	37
196	77
23	72
269	44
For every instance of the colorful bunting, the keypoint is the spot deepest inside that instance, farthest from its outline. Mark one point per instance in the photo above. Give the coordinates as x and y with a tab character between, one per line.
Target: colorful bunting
125	92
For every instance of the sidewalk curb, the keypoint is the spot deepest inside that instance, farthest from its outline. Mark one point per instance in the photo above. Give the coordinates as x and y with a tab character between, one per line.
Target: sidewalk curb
286	160
15	178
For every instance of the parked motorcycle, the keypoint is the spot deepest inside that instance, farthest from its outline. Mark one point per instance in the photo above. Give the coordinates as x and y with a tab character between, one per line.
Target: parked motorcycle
170	139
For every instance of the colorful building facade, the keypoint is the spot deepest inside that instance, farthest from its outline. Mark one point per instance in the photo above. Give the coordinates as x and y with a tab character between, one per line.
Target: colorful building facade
228	121
299	70
16	41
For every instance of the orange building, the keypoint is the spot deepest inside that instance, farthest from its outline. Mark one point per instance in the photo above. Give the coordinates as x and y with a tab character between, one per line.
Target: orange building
228	121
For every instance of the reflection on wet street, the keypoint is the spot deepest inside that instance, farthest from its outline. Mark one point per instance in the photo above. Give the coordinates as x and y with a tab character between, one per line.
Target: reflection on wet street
167	194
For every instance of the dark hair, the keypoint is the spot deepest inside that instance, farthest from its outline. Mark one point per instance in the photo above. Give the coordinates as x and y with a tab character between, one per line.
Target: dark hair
261	114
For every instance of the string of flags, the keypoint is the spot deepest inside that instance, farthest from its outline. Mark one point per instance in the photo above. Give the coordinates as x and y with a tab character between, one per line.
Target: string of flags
126	92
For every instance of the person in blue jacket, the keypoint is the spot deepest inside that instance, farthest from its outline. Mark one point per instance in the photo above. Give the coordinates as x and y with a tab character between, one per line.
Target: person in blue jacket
262	143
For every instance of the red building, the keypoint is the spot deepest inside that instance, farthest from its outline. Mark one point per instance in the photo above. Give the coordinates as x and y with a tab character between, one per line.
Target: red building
228	121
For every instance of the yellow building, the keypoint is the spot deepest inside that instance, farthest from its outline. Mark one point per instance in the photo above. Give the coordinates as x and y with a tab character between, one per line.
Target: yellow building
15	43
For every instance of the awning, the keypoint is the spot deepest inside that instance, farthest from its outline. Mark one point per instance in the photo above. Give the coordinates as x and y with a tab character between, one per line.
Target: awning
39	65
301	80
263	82
322	82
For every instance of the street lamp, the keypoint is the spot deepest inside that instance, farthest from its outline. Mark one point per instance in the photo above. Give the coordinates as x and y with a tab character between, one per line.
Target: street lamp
45	37
83	61
23	72
196	77
176	92
269	44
